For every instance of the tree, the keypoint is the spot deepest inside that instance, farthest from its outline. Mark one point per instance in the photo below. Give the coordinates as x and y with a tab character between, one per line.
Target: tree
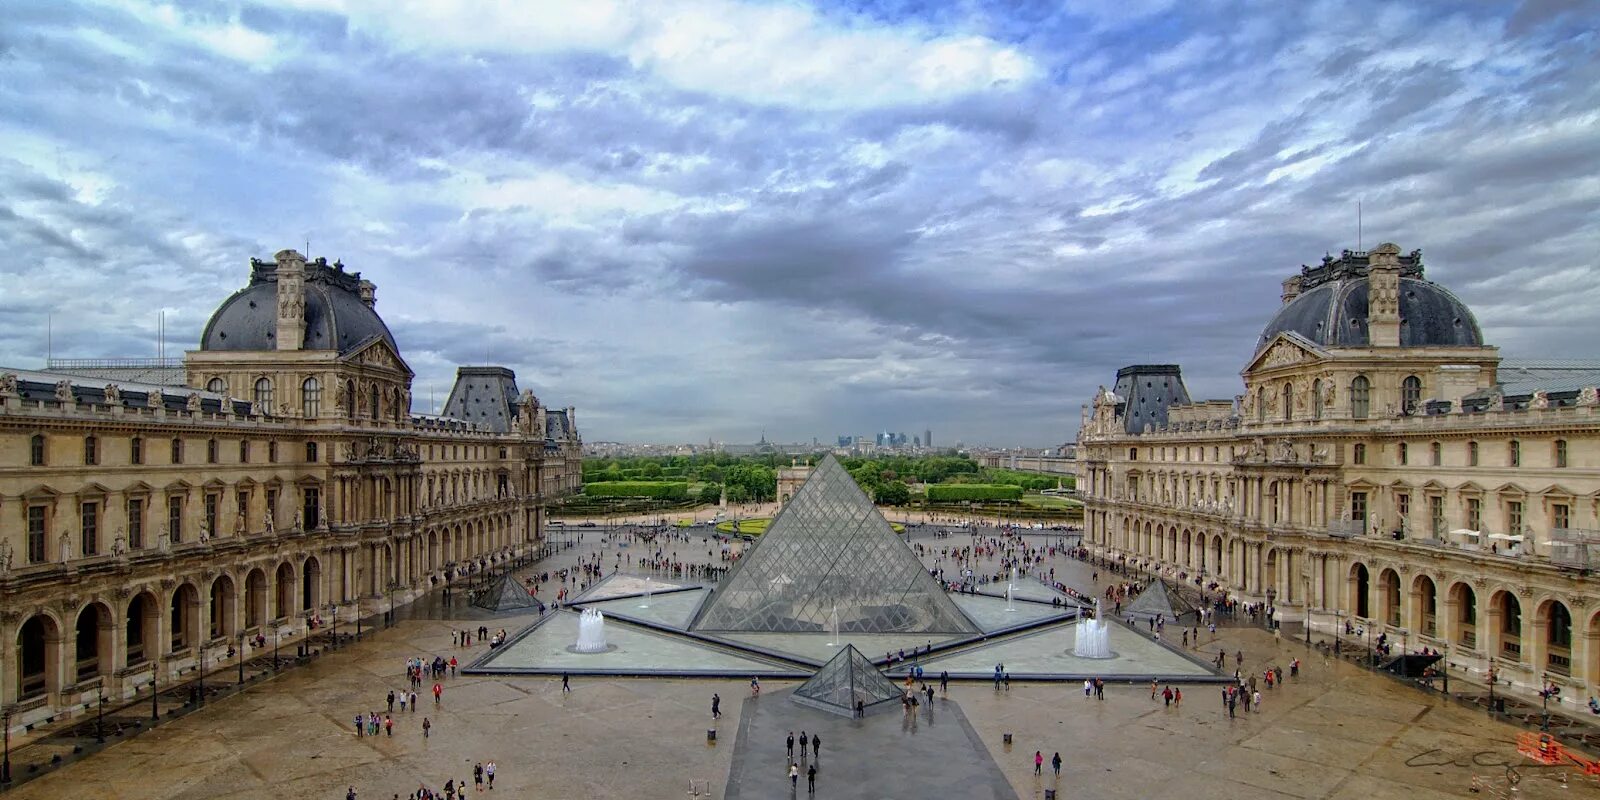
893	493
711	493
652	470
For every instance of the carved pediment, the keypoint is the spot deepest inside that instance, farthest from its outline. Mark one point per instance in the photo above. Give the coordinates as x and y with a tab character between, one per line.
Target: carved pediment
1286	350
378	353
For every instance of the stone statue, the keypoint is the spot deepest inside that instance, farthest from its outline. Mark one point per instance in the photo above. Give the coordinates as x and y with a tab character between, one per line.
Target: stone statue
192	402
239	523
66	547
64	391
1300	400
322	516
1286	451
8	384
1258	449
1587	396
341	398
113	394
1541	400
119	545
205	530
5	554
1248	404
1497	402
268	521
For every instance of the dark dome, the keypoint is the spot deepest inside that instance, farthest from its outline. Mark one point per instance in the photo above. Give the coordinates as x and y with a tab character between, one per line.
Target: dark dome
1334	314
336	319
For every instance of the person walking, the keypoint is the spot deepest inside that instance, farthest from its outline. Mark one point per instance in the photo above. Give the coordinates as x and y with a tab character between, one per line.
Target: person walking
388	725
794	777
414	702
477	776
816	745
811	779
488	771
1055	762
360	725
1038	762
789	745
716	706
803	741
566	682
1177	696
391	701
438	692
861	709
944	682
426	727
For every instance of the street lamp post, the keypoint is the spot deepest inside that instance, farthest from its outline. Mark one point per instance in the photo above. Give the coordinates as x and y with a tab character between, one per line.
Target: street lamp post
1492	679
155	690
241	658
100	712
5	765
275	632
200	694
333	617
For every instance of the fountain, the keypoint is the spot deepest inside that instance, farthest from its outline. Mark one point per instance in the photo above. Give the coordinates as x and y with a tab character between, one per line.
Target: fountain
1011	604
591	632
1093	636
646	603
833	625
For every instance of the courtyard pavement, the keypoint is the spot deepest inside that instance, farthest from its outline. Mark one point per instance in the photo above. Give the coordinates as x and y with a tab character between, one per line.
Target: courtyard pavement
1337	731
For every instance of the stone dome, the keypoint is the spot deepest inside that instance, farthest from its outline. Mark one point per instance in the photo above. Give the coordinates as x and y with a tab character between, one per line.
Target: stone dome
1331	309
336	315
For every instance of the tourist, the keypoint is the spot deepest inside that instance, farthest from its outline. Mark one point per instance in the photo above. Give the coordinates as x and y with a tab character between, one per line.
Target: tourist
1038	762
1177	696
402	701
816	745
426	727
1153	688
391	701
789	745
477	776
413	702
1088	687
803	740
488	770
438	692
360	724
716	706
861	709
1257	702
1055	762
388	726
811	779
1166	695
755	687
794	777
566	683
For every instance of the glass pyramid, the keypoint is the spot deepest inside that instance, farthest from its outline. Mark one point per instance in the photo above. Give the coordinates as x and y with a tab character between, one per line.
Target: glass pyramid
1157	601
847	678
830	559
506	594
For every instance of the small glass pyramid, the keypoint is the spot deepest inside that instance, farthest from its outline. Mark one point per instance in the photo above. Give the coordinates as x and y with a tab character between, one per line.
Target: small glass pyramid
846	679
506	594
831	554
1157	601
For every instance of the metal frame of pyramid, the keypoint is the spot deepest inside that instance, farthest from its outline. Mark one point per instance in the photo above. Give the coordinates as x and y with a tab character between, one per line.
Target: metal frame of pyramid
506	594
1157	600
830	552
845	679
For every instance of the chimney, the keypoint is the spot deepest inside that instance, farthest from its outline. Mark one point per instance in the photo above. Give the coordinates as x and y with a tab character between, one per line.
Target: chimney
1291	289
572	421
1383	296
369	293
291	330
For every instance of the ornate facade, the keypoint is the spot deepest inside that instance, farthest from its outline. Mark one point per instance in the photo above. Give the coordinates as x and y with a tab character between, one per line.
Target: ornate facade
147	530
1383	467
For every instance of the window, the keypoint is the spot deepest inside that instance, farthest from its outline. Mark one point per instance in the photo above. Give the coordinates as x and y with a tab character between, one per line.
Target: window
272	452
36	450
1472	454
211	451
211	514
1561	452
136	450
1402	504
175	519
1360	396
1359	455
372	400
1405	451
242	500
89	526
1436	515
1513	517
1358	508
217	385
1288	401
1560	515
1436	453
1514	453
1316	399
136	523
350	398
244	451
1474	514
310	398
36	534
311	452
177	451
91	450
272	506
309	507
264	395
1261	404
1410	394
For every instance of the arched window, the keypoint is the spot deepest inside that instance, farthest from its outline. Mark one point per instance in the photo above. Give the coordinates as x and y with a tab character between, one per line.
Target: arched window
310	398
1410	395
264	395
217	385
1316	399
1359	456
1288	401
1261	404
36	450
1360	397
211	451
372	400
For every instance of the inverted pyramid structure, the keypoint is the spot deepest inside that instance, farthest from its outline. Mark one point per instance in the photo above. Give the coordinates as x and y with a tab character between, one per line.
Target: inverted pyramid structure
846	679
1158	602
829	555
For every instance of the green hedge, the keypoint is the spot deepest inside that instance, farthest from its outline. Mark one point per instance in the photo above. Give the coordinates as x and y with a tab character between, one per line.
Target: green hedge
667	491
978	492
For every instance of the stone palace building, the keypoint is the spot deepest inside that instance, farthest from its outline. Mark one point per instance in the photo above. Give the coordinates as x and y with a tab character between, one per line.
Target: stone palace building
146	530
1383	468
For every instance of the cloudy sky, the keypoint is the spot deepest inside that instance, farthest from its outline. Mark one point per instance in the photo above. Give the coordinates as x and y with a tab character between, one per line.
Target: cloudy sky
710	218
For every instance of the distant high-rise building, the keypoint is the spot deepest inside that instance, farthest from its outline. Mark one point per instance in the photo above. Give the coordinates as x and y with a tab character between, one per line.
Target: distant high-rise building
916	441
927	438
846	440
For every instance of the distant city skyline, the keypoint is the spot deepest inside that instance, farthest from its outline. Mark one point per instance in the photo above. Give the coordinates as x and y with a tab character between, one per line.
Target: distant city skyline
715	216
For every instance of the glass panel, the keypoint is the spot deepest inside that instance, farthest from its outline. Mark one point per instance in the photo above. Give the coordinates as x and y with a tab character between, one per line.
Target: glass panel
848	678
